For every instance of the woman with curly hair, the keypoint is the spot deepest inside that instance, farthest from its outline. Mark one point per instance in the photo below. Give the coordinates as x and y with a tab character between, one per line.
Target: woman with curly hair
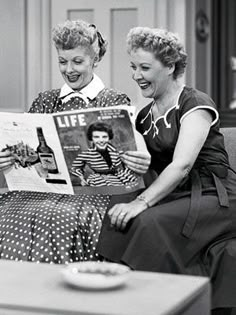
191	204
53	227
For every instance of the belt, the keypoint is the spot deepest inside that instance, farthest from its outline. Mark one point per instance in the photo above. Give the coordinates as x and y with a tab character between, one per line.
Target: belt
195	201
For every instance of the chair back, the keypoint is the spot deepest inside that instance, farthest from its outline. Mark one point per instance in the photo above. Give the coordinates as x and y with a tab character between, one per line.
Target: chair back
230	144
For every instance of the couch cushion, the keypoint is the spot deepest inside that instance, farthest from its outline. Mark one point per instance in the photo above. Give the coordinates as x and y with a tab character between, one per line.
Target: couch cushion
230	144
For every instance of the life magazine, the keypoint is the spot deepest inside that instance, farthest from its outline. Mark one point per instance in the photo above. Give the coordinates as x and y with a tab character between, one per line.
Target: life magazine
71	152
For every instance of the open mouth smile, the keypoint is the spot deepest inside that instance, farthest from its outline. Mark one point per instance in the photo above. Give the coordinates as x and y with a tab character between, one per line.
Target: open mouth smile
143	85
72	78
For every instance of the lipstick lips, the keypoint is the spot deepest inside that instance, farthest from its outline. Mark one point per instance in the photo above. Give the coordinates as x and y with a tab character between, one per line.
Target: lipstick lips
73	78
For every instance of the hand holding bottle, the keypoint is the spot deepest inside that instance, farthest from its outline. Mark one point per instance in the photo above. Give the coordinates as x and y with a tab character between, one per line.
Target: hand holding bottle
6	160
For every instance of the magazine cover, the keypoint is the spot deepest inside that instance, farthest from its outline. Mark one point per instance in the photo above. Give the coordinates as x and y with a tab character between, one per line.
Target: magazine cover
39	162
93	141
70	152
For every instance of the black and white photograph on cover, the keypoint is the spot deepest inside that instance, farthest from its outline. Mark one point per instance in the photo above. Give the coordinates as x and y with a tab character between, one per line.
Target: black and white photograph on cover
93	142
104	161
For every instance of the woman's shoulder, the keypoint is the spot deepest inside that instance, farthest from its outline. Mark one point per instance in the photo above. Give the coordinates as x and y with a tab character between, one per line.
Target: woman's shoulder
45	101
49	93
110	147
196	97
112	97
192	99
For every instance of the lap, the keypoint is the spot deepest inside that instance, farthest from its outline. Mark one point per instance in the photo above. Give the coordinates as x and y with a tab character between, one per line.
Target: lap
163	224
48	227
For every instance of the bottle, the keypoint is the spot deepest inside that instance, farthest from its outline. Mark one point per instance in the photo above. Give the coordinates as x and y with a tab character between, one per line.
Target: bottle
46	154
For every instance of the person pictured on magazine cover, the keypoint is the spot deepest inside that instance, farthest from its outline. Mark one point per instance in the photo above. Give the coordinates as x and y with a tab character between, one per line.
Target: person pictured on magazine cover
192	203
60	228
103	160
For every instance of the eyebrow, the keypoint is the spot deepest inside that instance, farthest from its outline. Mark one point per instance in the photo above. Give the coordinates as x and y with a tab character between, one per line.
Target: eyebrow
142	63
74	58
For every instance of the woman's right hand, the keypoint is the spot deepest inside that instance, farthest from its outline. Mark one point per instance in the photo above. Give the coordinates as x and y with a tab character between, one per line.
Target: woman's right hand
6	160
137	161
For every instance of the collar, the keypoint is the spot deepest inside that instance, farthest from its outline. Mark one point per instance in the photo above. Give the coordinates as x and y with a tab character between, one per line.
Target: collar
164	117
90	91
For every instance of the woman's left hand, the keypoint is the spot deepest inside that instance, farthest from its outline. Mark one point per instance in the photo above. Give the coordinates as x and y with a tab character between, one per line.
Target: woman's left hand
137	161
120	214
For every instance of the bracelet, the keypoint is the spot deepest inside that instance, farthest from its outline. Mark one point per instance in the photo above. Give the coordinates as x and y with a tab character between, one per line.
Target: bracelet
143	198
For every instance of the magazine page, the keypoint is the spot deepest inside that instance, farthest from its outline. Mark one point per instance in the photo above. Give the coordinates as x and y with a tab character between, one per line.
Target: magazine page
39	161
93	141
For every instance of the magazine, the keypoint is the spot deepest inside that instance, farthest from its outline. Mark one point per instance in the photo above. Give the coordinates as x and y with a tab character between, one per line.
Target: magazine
71	152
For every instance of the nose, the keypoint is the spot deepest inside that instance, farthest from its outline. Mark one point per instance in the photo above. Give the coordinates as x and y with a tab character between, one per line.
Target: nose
69	67
136	74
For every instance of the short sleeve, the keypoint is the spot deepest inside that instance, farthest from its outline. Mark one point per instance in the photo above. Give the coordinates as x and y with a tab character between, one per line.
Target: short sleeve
110	97
122	99
37	105
45	102
195	100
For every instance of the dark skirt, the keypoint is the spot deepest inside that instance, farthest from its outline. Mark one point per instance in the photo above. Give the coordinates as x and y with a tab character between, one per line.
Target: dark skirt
154	240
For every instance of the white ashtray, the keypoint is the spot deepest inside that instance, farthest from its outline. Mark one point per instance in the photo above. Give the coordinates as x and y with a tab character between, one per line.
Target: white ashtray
96	275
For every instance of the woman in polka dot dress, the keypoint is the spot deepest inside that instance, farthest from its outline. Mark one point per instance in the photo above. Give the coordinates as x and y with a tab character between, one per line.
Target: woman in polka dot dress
60	228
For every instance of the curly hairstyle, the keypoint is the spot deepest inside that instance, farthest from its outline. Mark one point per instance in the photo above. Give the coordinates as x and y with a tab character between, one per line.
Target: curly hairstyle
165	46
99	126
72	34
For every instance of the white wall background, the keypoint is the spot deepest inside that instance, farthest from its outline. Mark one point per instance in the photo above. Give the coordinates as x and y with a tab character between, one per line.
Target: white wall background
28	60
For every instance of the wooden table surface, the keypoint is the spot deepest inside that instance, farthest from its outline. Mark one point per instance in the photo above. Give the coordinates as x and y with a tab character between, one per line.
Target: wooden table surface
30	288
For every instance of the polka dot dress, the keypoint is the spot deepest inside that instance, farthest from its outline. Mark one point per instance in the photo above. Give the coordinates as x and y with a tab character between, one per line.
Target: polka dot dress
51	227
50	102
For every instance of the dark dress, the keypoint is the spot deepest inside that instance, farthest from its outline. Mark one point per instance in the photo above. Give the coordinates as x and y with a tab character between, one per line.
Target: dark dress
52	227
173	235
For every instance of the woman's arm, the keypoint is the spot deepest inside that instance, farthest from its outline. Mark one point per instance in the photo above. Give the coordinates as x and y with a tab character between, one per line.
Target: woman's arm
192	136
77	167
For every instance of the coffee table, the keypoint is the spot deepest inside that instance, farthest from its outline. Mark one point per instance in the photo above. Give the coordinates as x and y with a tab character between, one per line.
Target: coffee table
29	288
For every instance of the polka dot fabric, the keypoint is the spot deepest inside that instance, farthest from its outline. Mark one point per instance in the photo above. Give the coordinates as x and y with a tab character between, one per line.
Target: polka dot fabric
54	228
51	228
50	102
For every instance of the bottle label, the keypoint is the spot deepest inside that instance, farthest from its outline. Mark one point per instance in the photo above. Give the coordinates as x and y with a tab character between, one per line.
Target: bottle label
48	161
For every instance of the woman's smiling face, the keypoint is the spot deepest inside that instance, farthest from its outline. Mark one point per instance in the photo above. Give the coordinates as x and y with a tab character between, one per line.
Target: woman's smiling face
100	139
76	66
150	74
